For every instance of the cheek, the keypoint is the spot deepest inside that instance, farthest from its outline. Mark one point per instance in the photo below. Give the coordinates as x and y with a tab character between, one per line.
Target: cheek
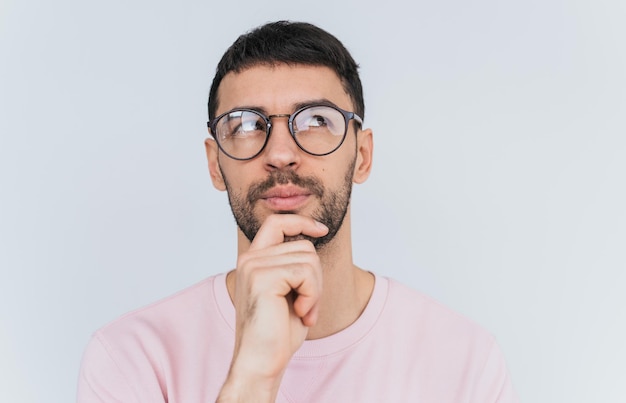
235	176
234	185
342	168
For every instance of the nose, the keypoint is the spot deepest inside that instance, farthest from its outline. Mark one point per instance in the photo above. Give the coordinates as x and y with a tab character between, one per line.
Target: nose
281	150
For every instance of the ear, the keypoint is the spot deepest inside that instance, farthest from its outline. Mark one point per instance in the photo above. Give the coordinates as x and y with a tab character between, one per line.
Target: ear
364	153
212	152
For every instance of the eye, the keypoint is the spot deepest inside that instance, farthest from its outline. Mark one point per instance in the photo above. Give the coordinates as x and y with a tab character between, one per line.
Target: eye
250	124
241	124
318	118
317	121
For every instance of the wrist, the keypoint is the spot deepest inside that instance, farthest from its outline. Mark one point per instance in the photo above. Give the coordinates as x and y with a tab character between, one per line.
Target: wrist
249	389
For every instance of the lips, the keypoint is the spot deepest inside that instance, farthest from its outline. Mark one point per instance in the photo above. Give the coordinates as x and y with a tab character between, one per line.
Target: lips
284	198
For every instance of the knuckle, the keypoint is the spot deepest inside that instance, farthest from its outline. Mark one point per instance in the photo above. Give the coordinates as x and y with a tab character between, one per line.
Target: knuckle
304	269
297	270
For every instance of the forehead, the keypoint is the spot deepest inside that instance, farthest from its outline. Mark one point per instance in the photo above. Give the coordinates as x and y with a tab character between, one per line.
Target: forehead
277	89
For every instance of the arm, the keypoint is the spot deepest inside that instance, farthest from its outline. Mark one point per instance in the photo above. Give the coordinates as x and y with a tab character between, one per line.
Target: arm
278	285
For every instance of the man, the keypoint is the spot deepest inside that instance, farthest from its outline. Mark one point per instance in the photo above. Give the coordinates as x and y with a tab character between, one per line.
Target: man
296	320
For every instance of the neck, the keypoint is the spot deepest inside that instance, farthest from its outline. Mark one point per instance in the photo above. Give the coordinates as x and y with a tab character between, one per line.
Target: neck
346	287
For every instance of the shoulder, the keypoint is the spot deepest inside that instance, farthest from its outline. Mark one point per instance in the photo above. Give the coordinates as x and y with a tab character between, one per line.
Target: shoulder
406	300
165	312
132	357
168	323
445	344
432	322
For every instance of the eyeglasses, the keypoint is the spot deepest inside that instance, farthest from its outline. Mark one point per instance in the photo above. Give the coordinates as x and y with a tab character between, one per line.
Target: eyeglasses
318	129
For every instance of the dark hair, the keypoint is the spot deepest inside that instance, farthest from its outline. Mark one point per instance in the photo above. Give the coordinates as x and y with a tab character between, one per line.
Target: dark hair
291	43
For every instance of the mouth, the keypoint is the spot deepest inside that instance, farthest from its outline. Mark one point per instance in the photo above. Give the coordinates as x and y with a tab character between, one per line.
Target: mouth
285	198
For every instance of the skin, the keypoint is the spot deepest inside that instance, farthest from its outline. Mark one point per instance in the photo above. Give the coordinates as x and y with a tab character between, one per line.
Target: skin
287	292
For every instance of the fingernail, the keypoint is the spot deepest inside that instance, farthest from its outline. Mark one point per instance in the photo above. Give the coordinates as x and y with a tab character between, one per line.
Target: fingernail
321	226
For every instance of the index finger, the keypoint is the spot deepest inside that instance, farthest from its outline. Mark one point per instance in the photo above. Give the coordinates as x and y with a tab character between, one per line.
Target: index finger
277	226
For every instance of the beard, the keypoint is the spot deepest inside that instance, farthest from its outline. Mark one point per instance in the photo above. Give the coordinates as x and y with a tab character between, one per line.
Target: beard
331	211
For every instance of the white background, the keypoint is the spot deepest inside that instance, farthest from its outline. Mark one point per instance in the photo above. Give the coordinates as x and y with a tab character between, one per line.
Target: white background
498	184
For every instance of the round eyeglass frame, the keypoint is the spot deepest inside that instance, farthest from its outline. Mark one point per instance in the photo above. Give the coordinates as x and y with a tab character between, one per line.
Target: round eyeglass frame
348	116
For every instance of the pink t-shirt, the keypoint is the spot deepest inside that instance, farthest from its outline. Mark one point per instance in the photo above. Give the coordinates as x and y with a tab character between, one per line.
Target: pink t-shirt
404	347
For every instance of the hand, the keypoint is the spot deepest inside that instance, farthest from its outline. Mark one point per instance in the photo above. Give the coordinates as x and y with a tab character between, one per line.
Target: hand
278	285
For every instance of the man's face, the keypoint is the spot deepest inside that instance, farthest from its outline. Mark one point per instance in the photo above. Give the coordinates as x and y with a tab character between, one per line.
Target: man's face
283	178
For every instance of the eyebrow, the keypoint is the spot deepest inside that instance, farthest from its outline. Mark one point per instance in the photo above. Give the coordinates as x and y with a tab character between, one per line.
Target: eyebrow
295	107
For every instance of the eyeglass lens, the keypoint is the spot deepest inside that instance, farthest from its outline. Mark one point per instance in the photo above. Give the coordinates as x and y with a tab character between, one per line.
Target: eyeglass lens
317	130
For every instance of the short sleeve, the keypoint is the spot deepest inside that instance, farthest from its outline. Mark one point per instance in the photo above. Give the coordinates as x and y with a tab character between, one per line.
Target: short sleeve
100	378
494	384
